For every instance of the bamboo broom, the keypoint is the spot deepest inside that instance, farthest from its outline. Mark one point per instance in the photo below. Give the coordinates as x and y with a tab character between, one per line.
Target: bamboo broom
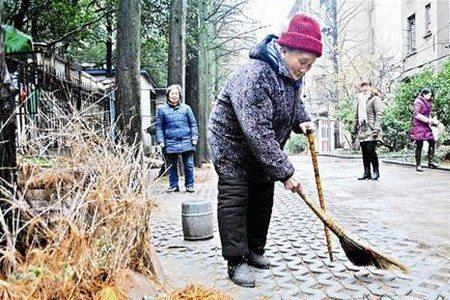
312	148
359	253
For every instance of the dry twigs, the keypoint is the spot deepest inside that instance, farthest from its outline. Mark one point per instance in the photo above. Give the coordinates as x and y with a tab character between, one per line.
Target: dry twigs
82	217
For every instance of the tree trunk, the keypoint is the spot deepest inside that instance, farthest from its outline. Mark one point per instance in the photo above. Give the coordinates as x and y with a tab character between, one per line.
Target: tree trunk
128	70
192	71
337	140
20	17
177	49
8	162
109	45
206	86
192	95
177	44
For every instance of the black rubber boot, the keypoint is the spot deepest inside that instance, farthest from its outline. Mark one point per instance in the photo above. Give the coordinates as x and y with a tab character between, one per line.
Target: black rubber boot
432	165
376	174
366	164
418	157
431	149
367	174
259	261
376	170
240	273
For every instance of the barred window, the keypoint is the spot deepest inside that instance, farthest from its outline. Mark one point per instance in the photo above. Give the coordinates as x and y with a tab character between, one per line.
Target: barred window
428	18
411	37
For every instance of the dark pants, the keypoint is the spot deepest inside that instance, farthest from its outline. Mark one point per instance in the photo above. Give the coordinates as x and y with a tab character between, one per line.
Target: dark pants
370	156
431	150
172	165
243	211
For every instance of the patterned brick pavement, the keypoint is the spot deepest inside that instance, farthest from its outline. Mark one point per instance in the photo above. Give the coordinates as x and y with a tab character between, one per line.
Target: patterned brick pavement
300	265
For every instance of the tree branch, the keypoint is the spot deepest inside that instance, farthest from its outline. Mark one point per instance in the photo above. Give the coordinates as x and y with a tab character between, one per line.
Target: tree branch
341	6
351	12
81	28
237	37
216	9
230	10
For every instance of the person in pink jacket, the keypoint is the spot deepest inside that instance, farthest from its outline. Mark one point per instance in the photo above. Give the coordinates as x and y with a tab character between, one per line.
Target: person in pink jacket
420	128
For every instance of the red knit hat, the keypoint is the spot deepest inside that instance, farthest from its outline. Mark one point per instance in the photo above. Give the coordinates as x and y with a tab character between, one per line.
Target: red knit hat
304	34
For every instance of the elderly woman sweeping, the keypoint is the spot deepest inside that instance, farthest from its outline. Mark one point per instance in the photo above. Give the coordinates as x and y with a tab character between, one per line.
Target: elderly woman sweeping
177	134
253	118
367	128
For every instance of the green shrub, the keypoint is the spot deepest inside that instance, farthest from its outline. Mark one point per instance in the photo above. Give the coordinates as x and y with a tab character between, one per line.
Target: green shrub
297	144
395	130
397	116
443	153
346	113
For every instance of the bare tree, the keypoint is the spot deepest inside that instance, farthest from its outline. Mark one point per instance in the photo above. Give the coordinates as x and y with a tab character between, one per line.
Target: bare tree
205	74
177	42
336	17
109	44
128	69
233	36
218	32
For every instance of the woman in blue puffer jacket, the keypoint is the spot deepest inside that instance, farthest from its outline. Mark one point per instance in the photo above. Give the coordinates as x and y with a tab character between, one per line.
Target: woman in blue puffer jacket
177	133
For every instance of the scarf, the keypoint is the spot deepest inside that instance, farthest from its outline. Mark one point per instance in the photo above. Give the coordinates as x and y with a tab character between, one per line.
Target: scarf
362	108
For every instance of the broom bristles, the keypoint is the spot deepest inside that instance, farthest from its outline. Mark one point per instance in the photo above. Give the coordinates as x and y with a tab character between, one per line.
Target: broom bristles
359	254
362	255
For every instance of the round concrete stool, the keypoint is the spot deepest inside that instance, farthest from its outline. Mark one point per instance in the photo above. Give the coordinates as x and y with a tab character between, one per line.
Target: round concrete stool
197	220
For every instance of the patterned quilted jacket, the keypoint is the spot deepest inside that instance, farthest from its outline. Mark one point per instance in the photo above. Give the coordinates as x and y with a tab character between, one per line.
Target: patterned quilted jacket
253	117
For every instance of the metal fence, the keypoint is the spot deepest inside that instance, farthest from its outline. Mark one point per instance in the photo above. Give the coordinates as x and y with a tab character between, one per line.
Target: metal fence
47	84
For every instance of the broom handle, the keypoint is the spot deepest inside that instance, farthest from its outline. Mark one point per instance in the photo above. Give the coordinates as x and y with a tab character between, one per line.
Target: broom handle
326	219
315	163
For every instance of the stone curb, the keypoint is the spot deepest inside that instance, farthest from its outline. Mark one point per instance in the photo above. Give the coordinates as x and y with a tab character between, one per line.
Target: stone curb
388	161
340	155
356	156
404	163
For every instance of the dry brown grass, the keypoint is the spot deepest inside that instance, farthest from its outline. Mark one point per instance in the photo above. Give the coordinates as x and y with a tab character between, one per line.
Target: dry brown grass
90	219
198	292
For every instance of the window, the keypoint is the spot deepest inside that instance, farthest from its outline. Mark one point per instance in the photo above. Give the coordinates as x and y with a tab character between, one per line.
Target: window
411	31
427	18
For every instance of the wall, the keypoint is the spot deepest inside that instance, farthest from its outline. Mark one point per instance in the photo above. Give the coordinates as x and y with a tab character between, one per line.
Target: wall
430	49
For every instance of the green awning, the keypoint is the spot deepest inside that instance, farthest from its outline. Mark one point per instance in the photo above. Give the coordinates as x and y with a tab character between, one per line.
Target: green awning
16	41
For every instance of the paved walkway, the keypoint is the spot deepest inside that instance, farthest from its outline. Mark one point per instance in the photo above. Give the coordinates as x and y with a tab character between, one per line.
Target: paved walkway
411	226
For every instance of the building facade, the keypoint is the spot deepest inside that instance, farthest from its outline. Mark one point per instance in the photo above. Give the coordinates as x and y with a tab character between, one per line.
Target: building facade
426	34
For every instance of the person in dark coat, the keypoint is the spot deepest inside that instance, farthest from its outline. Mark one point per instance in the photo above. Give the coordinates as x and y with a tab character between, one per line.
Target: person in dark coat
177	133
367	128
251	121
420	127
